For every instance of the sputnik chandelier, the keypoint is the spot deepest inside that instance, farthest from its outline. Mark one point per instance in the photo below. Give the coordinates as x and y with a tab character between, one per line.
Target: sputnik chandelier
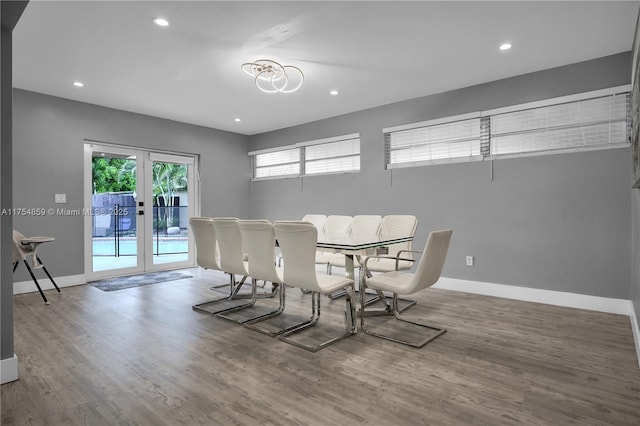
272	77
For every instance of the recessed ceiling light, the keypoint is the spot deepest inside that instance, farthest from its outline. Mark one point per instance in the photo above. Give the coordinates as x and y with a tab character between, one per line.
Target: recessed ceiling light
161	22
333	92
78	84
505	46
237	120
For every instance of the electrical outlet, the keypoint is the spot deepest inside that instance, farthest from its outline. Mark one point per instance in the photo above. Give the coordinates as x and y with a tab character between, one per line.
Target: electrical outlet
61	198
469	260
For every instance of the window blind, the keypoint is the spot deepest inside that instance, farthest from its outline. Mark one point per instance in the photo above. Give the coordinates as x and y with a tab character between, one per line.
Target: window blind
455	140
584	121
277	163
582	124
332	157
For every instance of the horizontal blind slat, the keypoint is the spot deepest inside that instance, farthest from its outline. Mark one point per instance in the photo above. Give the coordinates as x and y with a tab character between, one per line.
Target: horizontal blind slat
585	123
441	141
332	157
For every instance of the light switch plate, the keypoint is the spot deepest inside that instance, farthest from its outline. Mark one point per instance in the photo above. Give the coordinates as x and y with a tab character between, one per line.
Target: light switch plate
61	198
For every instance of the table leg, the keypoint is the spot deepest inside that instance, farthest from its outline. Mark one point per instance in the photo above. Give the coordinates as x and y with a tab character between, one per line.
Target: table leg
349	273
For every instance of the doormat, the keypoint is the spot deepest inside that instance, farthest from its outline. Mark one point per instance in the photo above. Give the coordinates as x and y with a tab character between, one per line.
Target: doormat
120	283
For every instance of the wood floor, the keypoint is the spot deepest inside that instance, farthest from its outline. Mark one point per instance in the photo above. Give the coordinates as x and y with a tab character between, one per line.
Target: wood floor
142	356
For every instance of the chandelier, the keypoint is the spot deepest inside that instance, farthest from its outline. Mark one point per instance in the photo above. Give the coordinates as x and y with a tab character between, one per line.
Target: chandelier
272	77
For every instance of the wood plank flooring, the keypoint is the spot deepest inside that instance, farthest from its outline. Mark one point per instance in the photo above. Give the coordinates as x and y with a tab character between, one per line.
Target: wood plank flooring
142	356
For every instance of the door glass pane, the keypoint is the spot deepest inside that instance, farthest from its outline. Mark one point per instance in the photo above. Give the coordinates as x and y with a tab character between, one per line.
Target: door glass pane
170	212
114	225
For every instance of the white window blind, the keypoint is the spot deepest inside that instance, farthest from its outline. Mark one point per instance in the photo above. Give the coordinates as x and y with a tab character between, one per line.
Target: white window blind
452	141
276	163
584	121
332	157
339	154
582	124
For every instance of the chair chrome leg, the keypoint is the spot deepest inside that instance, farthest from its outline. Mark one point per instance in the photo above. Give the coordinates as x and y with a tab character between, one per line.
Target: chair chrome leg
259	324
350	327
396	313
233	289
266	295
225	314
388	309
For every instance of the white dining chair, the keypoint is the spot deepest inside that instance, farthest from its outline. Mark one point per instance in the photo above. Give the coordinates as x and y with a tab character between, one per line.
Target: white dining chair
401	283
298	245
361	225
207	255
28	253
226	232
394	226
258	240
338	225
318	221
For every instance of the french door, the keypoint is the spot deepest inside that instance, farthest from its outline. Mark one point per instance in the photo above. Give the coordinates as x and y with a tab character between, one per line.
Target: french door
137	209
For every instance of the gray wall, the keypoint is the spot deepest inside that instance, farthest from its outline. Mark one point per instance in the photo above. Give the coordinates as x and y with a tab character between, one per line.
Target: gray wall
635	253
49	134
10	13
557	222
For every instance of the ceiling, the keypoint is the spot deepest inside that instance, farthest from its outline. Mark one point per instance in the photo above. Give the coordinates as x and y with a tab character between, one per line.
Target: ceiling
373	53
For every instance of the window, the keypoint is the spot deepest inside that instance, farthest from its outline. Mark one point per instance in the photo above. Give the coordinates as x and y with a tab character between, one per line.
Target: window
586	121
453	139
581	124
279	162
332	155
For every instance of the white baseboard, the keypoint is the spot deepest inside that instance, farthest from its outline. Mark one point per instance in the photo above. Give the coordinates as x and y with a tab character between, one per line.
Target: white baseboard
29	286
636	332
549	297
9	370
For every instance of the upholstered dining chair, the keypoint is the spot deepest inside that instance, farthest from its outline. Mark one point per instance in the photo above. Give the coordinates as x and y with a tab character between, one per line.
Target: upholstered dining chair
258	240
334	225
207	255
297	242
401	283
27	250
361	225
226	233
318	220
392	226
396	226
